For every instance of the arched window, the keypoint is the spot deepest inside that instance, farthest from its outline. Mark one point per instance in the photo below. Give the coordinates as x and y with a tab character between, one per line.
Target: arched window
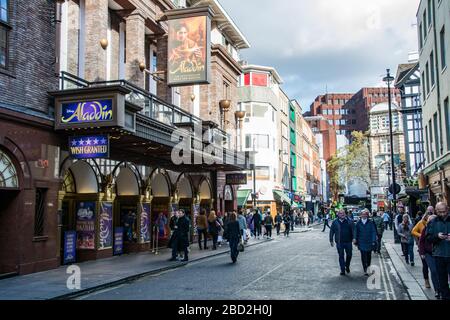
8	173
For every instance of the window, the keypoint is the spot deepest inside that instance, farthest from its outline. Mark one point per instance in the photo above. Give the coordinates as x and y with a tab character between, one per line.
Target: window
248	141
443	50
39	213
447	122
226	90
3	47
422	79
4	10
427	68
259	79
428	145
262	172
436	135
259	111
430	128
425	27
421	36
432	69
430	11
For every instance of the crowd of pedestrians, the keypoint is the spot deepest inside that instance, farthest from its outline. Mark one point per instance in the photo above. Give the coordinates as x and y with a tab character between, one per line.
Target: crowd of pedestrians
429	231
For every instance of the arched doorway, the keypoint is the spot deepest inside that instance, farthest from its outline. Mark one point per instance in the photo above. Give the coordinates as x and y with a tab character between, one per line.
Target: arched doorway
127	211
185	197
79	209
161	192
205	195
9	206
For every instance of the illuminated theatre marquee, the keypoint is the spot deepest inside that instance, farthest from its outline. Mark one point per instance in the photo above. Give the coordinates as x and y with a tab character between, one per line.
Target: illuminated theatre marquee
87	112
89	147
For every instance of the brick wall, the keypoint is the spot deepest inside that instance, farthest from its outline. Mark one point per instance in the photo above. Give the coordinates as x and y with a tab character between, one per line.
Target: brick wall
30	71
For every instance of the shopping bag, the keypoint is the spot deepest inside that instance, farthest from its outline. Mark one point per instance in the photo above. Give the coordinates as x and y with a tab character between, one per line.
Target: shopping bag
241	247
219	238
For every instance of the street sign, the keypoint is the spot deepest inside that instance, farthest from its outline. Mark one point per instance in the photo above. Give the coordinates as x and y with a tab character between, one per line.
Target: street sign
398	188
236	179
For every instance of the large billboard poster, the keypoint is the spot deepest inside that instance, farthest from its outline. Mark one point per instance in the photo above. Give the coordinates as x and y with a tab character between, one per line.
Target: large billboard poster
106	225
189	51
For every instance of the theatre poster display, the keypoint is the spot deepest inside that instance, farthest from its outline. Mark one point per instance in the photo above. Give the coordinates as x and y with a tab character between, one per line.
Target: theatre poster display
86	225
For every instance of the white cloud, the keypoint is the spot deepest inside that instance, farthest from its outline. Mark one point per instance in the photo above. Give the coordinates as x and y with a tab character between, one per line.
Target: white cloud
345	44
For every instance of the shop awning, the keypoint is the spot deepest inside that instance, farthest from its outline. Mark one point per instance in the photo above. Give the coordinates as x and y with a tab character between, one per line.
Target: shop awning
281	196
297	205
242	197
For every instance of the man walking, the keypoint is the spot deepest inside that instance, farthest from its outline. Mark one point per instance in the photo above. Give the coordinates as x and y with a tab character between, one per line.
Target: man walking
438	233
257	220
268	222
341	232
386	220
242	225
287	224
365	238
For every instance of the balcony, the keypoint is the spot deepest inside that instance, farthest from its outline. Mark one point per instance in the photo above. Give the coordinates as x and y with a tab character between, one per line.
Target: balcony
143	133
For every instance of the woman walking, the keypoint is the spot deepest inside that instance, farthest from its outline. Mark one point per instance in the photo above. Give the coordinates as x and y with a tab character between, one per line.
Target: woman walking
213	228
287	224
202	227
233	235
407	239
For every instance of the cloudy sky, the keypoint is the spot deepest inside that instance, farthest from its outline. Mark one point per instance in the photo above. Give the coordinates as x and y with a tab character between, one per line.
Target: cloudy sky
342	45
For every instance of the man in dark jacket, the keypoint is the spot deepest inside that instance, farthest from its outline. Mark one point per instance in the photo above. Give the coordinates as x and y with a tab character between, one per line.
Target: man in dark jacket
278	221
180	240
365	237
257	220
438	233
341	232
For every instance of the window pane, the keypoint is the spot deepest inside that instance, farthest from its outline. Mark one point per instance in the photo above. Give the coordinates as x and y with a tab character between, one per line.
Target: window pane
3	47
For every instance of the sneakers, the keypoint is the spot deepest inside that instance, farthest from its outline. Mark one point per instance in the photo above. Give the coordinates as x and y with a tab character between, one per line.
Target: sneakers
412	264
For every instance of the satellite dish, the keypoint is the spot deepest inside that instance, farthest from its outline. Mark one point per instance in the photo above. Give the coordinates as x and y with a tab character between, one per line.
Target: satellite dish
262	190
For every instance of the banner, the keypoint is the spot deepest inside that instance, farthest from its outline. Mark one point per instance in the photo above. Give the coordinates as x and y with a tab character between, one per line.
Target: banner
86	225
118	241
89	147
70	246
106	225
87	111
189	51
145	222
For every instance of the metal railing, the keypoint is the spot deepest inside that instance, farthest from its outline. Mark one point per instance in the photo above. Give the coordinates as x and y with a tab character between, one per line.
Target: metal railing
152	106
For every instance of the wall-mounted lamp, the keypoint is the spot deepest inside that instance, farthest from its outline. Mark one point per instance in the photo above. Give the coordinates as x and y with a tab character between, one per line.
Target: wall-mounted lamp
224	107
193	97
104	43
155	75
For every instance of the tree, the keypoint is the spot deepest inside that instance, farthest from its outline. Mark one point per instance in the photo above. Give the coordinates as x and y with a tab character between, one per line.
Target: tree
351	163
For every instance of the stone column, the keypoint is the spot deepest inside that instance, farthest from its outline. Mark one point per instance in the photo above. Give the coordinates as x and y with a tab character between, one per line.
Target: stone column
135	49
96	29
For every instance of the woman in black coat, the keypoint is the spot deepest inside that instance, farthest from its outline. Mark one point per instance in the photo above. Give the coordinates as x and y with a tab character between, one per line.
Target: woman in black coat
233	234
180	239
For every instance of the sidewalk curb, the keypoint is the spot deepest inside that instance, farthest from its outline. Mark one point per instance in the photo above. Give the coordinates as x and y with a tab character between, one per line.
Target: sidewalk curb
411	285
134	277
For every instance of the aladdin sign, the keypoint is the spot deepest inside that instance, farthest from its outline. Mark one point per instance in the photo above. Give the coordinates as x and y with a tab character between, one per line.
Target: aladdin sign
236	179
90	147
87	112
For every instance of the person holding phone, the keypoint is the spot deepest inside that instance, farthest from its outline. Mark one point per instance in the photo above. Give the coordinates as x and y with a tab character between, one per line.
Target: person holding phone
438	234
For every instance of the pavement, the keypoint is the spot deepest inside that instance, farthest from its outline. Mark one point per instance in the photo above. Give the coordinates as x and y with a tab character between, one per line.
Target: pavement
302	266
411	277
100	274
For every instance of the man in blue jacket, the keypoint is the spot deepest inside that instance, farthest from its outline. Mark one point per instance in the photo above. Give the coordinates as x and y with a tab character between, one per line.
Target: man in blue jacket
365	237
341	232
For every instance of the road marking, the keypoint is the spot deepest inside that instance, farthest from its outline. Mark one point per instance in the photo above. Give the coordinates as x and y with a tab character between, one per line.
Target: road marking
390	282
383	276
99	292
266	274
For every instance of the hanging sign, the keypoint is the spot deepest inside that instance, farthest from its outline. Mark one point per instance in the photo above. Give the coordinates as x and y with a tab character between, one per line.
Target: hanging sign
89	147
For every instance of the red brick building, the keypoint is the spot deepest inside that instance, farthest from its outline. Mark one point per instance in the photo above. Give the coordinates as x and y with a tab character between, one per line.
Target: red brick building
348	112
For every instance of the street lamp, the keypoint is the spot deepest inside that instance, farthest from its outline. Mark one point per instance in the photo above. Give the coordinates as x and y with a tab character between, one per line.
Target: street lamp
388	79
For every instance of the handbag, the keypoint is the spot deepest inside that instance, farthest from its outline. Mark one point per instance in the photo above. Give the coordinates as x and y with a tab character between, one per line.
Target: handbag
241	247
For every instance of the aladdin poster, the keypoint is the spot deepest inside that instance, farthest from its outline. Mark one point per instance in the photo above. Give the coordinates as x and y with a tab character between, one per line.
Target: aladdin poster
189	51
106	225
86	225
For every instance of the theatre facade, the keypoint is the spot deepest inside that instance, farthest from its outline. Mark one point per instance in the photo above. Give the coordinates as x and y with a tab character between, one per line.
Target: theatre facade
86	160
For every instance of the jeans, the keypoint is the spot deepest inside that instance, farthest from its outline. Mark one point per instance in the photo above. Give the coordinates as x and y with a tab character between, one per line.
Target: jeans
345	251
431	262
379	238
443	270
425	268
408	251
234	248
269	230
278	226
386	225
214	236
366	259
203	232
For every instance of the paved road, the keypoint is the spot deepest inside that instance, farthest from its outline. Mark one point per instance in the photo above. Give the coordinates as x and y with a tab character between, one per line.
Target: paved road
301	267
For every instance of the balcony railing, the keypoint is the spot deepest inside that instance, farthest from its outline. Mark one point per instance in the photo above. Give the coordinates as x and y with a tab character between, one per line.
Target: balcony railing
152	106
